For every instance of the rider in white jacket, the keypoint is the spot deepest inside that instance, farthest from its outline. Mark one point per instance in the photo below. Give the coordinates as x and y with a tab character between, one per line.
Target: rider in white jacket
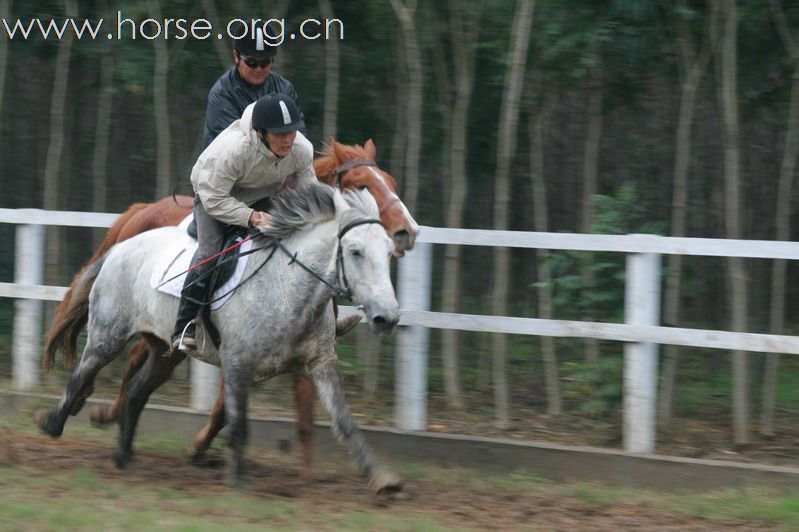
244	166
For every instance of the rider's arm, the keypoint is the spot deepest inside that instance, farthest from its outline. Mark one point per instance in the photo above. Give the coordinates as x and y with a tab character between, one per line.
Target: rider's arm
215	177
303	150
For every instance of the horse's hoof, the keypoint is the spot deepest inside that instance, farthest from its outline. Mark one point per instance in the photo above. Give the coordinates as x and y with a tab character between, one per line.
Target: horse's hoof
384	481
195	455
123	460
45	420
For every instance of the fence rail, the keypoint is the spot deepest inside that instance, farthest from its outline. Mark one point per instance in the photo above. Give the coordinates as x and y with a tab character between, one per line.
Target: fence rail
641	331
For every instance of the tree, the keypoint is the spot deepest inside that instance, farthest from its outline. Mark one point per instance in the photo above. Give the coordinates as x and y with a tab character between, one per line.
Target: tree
463	31
163	135
538	119
405	14
508	127
102	134
736	276
692	65
55	147
331	78
5	10
783	221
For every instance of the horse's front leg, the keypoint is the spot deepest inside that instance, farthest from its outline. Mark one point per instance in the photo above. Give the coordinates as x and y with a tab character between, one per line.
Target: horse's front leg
303	400
326	378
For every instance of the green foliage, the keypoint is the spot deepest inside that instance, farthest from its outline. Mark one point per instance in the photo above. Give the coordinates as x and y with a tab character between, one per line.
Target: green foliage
597	389
592	284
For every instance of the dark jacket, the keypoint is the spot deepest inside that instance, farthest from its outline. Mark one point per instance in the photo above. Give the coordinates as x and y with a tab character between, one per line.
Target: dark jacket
231	94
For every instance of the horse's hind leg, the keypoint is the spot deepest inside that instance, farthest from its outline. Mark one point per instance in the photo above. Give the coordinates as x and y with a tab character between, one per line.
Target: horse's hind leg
216	421
303	400
327	380
102	346
101	415
156	370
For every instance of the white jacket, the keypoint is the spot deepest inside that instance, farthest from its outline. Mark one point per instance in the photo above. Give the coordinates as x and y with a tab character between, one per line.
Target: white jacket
236	170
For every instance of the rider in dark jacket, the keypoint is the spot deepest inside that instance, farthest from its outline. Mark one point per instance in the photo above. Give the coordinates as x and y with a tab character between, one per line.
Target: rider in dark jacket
250	78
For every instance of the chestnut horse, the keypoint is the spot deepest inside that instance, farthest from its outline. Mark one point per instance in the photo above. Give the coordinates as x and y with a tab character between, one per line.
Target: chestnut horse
347	166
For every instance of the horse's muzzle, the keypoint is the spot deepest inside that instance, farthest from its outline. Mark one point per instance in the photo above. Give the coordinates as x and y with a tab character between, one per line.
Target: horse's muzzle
403	241
383	324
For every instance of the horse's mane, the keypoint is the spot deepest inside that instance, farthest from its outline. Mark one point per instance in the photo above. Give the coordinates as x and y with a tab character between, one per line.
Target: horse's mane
295	208
363	206
328	161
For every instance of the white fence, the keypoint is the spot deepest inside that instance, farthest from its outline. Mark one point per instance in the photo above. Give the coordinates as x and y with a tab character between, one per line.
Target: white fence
640	331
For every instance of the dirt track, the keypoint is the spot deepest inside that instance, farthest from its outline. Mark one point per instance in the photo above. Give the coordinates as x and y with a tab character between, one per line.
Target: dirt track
276	477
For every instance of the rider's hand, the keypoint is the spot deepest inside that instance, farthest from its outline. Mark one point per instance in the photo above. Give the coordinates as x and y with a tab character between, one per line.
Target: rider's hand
259	219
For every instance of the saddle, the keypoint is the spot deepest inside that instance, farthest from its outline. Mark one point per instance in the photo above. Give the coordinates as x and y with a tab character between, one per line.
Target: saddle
170	274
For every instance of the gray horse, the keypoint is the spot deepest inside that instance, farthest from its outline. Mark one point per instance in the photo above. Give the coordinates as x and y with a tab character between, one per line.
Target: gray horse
326	243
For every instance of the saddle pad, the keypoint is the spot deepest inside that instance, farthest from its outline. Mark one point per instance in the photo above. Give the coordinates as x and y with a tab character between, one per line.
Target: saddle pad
175	260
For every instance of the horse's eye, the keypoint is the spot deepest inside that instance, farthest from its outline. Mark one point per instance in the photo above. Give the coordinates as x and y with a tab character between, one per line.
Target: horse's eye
361	187
356	253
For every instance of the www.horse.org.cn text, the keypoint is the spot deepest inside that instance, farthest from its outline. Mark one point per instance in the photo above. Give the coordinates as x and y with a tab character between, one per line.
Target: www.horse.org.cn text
171	28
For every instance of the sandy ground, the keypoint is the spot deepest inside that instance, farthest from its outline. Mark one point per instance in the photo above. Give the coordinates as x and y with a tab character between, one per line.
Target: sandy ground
277	477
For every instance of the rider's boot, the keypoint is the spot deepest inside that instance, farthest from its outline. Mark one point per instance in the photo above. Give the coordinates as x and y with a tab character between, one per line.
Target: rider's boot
345	325
193	293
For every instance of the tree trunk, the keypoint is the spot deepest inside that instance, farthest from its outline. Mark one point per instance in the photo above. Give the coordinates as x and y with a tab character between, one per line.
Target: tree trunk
694	66
405	15
732	220
506	147
55	147
163	137
463	27
101	139
590	172
331	78
541	215
5	13
783	226
224	52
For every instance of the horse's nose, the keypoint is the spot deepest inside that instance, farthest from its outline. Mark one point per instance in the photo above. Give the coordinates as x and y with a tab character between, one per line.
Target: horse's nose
403	240
384	323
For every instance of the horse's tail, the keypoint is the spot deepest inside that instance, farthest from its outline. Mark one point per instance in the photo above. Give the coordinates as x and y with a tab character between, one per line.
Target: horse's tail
71	316
58	336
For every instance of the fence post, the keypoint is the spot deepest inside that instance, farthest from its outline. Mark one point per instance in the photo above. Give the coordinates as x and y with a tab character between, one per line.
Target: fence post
414	280
204	385
26	344
641	307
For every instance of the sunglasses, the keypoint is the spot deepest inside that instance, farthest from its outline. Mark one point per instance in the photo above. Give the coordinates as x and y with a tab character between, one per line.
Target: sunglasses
255	63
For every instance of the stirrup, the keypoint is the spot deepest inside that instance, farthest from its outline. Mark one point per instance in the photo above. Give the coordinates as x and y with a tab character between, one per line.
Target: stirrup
185	343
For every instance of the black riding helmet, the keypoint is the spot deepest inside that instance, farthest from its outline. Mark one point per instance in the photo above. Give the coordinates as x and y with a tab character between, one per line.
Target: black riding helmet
258	45
276	113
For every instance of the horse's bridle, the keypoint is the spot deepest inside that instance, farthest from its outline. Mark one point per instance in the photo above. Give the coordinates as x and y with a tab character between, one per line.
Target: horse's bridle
341	274
346	166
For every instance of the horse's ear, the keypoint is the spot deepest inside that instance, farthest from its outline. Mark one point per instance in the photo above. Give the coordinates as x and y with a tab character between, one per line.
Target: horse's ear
370	149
